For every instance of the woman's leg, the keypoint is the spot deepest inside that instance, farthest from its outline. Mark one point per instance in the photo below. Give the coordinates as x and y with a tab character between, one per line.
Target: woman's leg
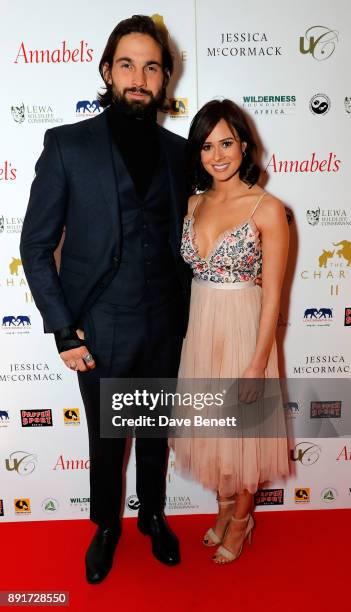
235	534
225	511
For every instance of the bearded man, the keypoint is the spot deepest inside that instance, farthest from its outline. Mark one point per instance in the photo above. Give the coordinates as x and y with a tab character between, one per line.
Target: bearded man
118	304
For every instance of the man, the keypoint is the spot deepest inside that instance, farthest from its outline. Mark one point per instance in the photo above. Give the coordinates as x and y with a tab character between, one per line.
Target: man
116	183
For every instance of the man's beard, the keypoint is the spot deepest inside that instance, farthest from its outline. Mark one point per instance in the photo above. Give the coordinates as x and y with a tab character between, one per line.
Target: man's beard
134	108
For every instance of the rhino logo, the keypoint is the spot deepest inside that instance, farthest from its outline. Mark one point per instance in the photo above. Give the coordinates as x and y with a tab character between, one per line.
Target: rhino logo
18	113
313	216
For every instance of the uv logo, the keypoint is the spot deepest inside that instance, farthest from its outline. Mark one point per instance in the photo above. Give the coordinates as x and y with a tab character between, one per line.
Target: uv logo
306	453
319	41
22	462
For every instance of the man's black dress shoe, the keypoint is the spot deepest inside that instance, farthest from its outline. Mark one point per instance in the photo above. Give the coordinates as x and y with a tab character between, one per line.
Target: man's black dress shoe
165	545
99	556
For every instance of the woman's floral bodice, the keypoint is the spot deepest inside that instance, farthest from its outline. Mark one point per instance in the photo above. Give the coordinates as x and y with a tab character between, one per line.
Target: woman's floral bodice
235	257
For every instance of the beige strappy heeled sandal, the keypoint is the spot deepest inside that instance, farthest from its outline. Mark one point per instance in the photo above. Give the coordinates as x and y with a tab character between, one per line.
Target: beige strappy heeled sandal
211	538
228	555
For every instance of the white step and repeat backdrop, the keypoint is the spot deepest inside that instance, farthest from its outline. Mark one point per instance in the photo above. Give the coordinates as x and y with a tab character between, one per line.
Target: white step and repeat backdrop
288	66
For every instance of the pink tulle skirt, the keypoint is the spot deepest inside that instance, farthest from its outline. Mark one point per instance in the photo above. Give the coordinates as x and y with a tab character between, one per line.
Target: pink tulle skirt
220	343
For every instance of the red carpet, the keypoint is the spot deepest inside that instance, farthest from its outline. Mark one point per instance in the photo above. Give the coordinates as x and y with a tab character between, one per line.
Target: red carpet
298	561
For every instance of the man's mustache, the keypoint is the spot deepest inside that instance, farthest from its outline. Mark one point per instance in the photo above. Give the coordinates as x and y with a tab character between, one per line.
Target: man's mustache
138	90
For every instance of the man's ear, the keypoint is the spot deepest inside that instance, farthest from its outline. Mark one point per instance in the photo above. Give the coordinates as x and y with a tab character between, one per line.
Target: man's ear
107	73
166	78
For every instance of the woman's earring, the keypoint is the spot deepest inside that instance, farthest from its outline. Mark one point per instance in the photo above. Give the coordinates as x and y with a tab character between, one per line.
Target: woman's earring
244	153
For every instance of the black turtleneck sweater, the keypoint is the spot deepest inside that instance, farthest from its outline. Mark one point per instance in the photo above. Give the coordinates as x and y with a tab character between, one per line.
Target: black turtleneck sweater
137	141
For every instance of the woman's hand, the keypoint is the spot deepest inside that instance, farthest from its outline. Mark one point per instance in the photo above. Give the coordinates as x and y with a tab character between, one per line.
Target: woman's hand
251	384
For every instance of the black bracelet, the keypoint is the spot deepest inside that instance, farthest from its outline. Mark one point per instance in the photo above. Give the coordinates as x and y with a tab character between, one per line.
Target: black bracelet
66	339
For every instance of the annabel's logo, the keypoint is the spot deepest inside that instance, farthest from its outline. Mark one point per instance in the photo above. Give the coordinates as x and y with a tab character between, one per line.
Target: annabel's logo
333	264
319	41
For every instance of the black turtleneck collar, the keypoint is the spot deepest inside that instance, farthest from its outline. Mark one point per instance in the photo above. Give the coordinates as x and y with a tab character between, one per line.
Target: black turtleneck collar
137	141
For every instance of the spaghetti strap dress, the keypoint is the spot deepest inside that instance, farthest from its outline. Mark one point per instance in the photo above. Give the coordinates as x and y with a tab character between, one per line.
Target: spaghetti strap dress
220	342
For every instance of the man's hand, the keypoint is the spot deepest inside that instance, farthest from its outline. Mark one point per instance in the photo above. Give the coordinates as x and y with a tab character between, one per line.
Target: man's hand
72	350
73	359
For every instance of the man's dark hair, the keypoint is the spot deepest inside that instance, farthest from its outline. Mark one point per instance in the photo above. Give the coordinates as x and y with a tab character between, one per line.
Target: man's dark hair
141	24
202	125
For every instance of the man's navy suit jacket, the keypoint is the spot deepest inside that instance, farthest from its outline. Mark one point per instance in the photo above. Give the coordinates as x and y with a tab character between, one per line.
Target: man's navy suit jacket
76	189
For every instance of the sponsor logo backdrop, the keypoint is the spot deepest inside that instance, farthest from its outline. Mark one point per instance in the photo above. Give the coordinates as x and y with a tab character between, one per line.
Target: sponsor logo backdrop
290	75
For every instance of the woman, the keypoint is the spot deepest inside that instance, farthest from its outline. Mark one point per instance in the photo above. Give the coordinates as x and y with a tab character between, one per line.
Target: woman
233	233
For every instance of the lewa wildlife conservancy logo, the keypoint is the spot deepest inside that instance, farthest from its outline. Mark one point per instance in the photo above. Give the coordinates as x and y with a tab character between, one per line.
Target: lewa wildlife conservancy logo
320	42
328	216
10	225
19	324
347	103
333	265
267	105
318	317
179	107
34	113
87	108
180	502
320	104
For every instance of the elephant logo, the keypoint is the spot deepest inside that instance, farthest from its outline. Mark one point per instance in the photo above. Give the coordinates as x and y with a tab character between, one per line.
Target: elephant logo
87	107
19	321
4	415
348	105
322	259
322	313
